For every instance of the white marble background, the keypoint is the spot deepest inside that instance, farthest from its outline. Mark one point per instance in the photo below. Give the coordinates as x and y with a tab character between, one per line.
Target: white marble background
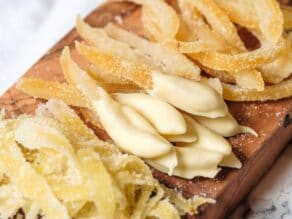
30	28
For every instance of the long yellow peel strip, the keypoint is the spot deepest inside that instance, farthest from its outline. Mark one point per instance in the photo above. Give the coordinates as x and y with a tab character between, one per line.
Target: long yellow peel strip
49	89
238	62
272	92
139	73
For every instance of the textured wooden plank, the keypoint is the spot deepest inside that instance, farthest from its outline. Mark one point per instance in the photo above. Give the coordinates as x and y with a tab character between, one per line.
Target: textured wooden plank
269	119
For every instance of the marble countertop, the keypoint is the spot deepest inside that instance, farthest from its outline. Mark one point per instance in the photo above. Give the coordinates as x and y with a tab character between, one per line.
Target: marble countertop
29	30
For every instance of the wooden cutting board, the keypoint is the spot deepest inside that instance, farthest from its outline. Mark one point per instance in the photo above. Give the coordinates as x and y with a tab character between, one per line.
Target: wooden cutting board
270	119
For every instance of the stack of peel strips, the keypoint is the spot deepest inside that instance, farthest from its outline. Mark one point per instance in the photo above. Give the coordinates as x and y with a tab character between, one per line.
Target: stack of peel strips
53	165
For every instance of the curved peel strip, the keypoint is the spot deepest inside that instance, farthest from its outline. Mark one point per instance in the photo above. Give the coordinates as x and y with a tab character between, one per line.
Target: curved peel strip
241	61
197	29
99	39
272	92
160	21
270	19
240	12
280	68
219	21
249	78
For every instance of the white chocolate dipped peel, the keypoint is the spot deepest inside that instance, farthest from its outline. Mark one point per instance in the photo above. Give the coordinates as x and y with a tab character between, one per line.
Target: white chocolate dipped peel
188	137
207	139
194	162
231	161
226	126
165	163
164	117
144	143
190	96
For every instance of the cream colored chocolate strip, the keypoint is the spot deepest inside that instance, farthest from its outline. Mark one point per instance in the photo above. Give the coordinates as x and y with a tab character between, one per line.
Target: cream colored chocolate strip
231	161
189	136
165	118
165	163
207	139
225	126
193	97
113	118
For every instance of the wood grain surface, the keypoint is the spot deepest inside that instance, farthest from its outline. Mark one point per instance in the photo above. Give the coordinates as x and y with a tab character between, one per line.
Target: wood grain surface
270	119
